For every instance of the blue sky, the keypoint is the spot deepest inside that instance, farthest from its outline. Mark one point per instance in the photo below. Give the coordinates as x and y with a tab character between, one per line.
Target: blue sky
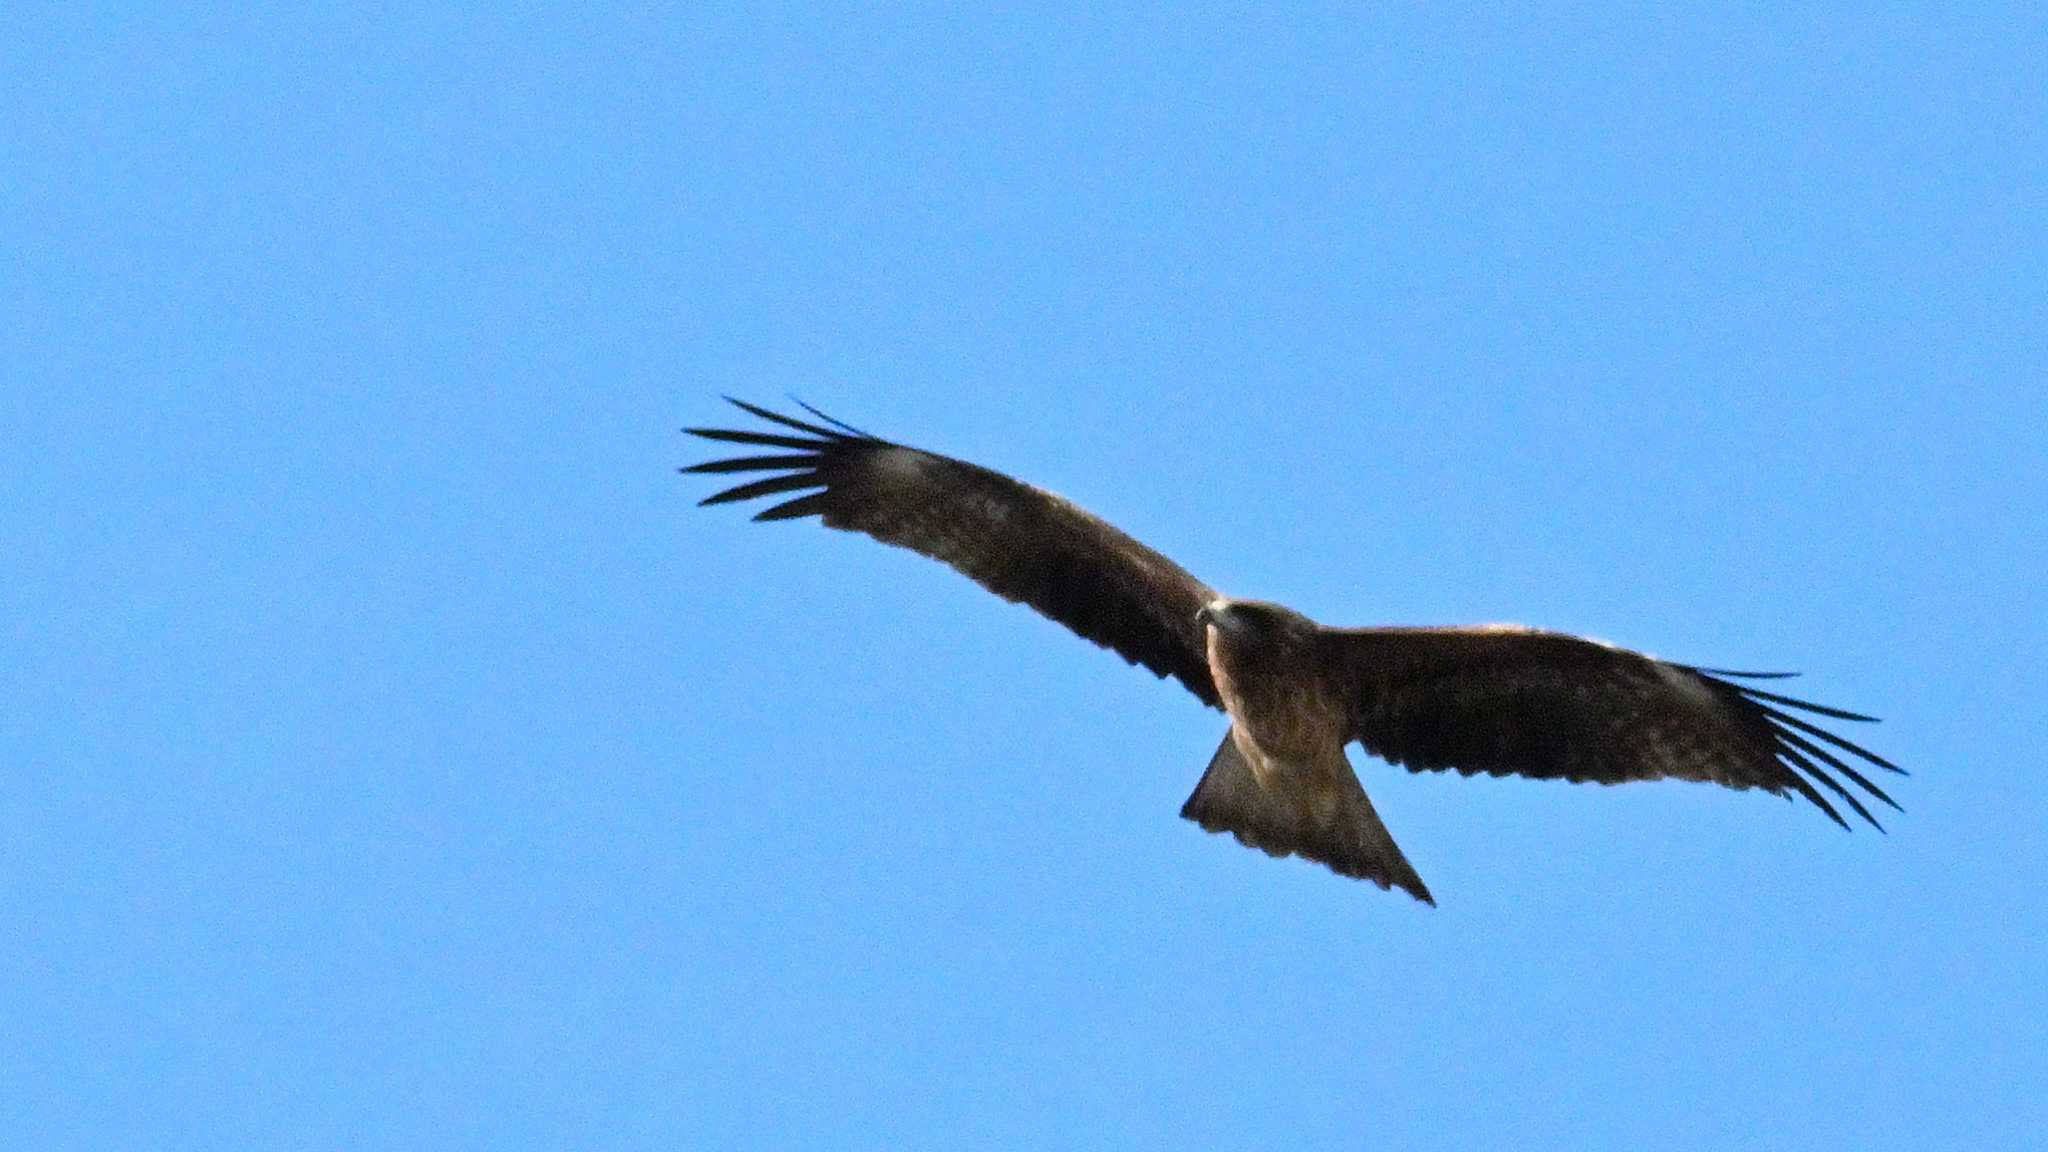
395	758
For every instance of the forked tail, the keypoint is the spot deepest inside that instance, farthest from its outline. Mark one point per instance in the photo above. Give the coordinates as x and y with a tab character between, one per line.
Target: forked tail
1320	813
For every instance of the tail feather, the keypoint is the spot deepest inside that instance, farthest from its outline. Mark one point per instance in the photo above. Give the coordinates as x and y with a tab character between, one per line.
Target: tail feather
1321	814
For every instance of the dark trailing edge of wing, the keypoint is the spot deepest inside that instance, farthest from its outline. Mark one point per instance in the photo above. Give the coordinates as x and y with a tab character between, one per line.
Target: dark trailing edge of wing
1797	753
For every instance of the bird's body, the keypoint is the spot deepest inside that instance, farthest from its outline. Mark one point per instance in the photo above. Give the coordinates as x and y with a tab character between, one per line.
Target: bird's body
1495	699
1252	666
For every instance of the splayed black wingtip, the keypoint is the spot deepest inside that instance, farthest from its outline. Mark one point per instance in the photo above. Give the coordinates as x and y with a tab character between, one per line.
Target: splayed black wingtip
1797	752
1756	697
816	454
1810	706
764	439
1819	801
807	463
1822	733
767	487
834	421
1814	750
785	421
1740	675
1794	759
809	504
751	464
1749	692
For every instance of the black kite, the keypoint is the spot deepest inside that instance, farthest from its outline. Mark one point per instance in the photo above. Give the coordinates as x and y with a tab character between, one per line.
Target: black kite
1496	699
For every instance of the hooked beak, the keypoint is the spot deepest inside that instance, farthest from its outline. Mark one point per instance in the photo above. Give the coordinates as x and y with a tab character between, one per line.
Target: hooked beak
1206	615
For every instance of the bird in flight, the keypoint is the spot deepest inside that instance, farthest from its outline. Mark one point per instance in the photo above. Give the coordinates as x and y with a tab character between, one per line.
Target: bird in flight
1498	699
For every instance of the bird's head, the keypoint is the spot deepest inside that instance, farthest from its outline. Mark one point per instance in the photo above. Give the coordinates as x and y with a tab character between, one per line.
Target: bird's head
1253	621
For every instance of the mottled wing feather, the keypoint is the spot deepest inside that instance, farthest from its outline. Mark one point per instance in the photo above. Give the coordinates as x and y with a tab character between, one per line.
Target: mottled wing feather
1020	542
1515	701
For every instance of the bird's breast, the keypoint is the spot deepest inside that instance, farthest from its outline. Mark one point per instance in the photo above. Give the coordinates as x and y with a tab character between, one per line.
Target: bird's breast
1280	706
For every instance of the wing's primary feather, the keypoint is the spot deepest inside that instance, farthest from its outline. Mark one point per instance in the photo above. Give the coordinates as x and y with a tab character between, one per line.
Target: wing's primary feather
1020	542
1514	701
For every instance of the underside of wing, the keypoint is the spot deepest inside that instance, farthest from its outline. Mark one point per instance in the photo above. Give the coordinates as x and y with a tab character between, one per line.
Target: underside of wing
1515	701
1020	542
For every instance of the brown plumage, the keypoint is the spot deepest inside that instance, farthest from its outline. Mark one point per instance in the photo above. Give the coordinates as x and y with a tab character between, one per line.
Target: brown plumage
1494	699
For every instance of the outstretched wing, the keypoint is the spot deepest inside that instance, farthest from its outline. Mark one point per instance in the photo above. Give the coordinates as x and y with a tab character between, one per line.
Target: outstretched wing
1516	701
1020	542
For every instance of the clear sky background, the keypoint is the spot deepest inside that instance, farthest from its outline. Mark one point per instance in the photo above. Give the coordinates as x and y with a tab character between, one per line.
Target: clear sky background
394	758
